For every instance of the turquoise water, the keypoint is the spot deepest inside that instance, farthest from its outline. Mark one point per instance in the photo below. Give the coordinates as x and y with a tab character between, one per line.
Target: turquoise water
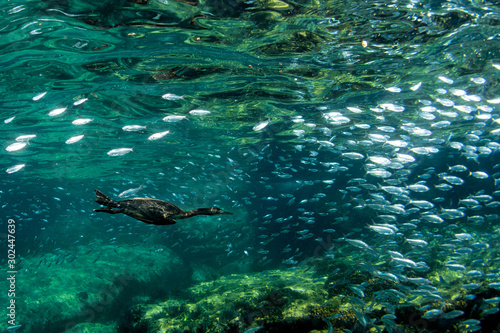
356	144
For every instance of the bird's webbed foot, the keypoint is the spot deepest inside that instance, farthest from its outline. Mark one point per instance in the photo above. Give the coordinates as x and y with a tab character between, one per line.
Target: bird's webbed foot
108	210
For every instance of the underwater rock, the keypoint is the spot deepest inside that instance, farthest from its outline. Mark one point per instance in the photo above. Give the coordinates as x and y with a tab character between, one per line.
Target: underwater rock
75	291
93	327
329	297
202	272
237	302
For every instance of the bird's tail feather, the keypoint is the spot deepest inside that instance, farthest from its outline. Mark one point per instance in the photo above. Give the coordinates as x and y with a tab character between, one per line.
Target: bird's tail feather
104	200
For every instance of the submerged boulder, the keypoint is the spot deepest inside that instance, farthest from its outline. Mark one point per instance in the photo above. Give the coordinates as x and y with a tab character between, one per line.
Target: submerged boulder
71	289
236	303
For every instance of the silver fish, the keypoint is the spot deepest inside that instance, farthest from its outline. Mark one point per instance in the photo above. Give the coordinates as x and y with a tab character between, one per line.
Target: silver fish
15	168
173	118
82	121
199	112
157	136
16	146
119	151
171	97
133	128
74	139
130	192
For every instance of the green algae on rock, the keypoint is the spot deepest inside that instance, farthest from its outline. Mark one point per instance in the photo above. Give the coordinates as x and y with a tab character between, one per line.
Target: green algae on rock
237	301
88	285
